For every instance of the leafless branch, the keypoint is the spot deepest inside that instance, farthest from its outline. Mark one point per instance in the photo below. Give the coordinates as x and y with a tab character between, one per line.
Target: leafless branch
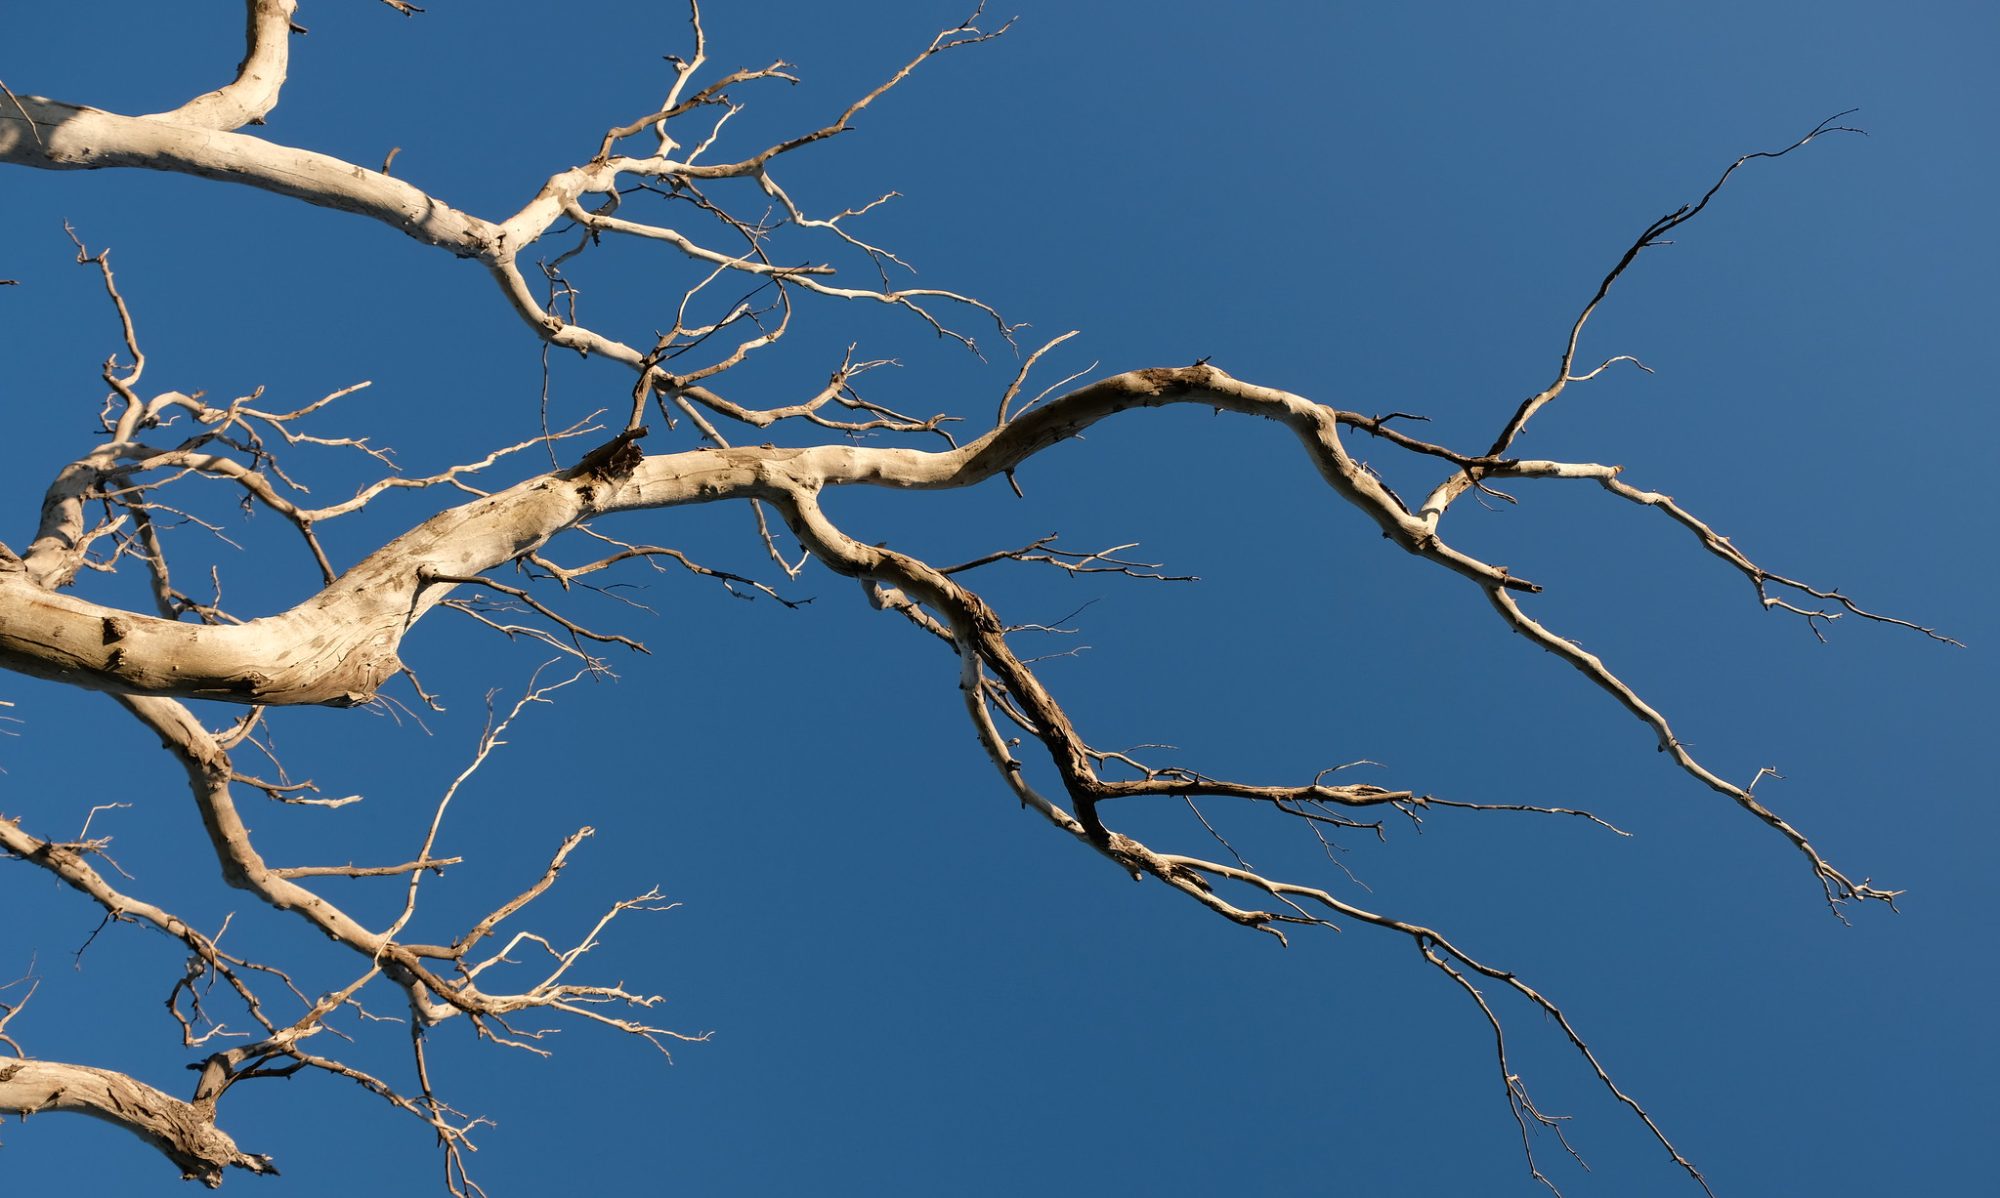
737	274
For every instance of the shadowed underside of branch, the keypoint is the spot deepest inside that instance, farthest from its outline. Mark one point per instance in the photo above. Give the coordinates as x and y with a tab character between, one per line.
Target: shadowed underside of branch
340	646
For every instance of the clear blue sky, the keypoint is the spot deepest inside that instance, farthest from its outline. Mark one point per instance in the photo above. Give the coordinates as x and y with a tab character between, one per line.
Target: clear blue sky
915	987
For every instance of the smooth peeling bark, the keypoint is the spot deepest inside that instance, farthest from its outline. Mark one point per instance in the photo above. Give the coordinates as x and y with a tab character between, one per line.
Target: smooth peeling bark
53	135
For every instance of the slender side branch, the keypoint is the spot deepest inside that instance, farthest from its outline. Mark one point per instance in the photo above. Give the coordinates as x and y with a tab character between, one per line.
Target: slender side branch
1653	235
1838	886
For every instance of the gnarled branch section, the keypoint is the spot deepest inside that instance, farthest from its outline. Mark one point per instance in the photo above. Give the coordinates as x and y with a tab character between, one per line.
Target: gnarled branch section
184	1132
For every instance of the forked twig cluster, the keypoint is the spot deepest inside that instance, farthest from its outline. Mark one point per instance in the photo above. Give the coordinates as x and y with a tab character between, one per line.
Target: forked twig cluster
662	183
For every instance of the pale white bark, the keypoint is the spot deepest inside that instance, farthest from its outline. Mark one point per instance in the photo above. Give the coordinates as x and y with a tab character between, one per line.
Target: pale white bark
342	643
248	98
53	135
335	648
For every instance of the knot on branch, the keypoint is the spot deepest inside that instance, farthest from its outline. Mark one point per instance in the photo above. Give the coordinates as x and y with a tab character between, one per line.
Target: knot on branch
1166	380
613	461
1140	860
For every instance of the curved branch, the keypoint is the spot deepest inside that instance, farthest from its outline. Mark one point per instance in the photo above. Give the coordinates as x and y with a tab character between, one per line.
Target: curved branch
51	134
184	1131
250	97
339	645
54	135
1839	886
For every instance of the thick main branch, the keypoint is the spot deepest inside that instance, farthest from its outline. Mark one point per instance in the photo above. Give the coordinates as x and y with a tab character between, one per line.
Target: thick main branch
339	645
184	1131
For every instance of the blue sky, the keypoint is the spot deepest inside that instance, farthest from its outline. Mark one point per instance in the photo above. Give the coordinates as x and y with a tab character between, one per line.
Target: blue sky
913	986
